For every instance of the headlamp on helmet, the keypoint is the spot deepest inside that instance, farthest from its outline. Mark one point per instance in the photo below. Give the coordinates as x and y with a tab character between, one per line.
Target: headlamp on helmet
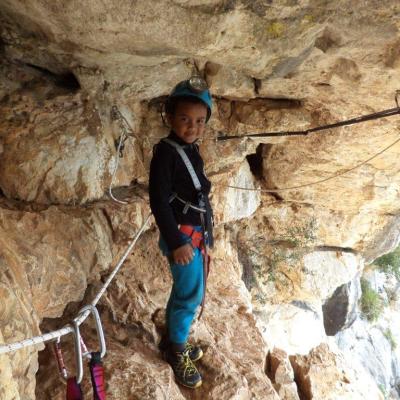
194	87
197	84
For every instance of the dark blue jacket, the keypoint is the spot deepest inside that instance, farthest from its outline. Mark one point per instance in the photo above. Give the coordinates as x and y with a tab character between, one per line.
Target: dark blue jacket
168	175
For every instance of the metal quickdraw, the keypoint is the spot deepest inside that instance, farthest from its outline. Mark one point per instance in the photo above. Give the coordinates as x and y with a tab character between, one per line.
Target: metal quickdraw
74	391
95	365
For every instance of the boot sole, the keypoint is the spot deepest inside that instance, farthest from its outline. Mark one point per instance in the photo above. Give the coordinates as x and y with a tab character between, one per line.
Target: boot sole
198	384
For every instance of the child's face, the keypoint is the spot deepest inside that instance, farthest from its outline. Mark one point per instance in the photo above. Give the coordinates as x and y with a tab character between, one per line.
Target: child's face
188	121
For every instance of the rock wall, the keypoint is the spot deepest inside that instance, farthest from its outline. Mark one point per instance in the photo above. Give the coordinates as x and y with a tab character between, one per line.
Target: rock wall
281	256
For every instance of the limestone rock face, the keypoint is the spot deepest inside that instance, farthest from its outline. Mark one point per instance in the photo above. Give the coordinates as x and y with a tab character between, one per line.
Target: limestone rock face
62	138
379	362
232	204
285	258
281	373
375	349
320	375
296	327
43	269
77	78
385	241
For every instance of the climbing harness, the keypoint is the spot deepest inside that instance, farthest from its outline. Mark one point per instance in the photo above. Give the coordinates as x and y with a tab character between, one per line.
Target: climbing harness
200	208
368	117
187	204
74	391
195	236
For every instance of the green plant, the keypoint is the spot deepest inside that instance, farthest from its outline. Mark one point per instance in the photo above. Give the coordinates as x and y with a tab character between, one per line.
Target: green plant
390	338
383	391
284	251
371	302
390	263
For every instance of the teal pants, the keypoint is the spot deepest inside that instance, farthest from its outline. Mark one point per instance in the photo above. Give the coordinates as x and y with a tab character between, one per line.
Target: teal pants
186	295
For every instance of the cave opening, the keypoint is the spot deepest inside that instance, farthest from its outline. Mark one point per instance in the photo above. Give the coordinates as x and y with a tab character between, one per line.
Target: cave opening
255	161
256	164
66	80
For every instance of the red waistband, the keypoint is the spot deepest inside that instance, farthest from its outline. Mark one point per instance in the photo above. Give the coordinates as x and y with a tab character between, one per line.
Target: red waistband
196	236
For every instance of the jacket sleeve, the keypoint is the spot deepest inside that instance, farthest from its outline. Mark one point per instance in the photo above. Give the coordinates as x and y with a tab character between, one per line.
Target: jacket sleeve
160	189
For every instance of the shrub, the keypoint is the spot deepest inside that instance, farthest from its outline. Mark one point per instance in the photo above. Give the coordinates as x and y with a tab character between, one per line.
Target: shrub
390	263
383	391
288	248
390	338
371	302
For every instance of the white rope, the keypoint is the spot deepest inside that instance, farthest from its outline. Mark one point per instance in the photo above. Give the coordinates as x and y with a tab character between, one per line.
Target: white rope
7	348
121	140
123	258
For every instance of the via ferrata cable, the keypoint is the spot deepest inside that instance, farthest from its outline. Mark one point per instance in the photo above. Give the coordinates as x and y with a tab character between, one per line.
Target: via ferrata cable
363	118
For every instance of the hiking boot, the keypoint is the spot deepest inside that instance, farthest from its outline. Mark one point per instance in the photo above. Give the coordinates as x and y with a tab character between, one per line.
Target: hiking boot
185	371
195	352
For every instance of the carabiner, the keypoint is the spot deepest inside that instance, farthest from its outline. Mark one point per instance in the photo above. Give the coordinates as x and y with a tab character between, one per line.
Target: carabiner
62	369
99	328
78	352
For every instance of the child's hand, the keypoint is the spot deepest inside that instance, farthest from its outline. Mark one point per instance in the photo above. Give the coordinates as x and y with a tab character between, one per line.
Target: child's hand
183	255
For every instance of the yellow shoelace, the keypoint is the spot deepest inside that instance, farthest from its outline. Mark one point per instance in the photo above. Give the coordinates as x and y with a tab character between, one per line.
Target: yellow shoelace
186	365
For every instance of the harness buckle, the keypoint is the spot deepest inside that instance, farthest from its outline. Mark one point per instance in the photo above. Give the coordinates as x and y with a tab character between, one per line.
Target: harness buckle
202	202
186	208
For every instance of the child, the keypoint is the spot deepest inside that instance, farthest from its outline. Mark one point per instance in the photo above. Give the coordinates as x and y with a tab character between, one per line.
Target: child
179	202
